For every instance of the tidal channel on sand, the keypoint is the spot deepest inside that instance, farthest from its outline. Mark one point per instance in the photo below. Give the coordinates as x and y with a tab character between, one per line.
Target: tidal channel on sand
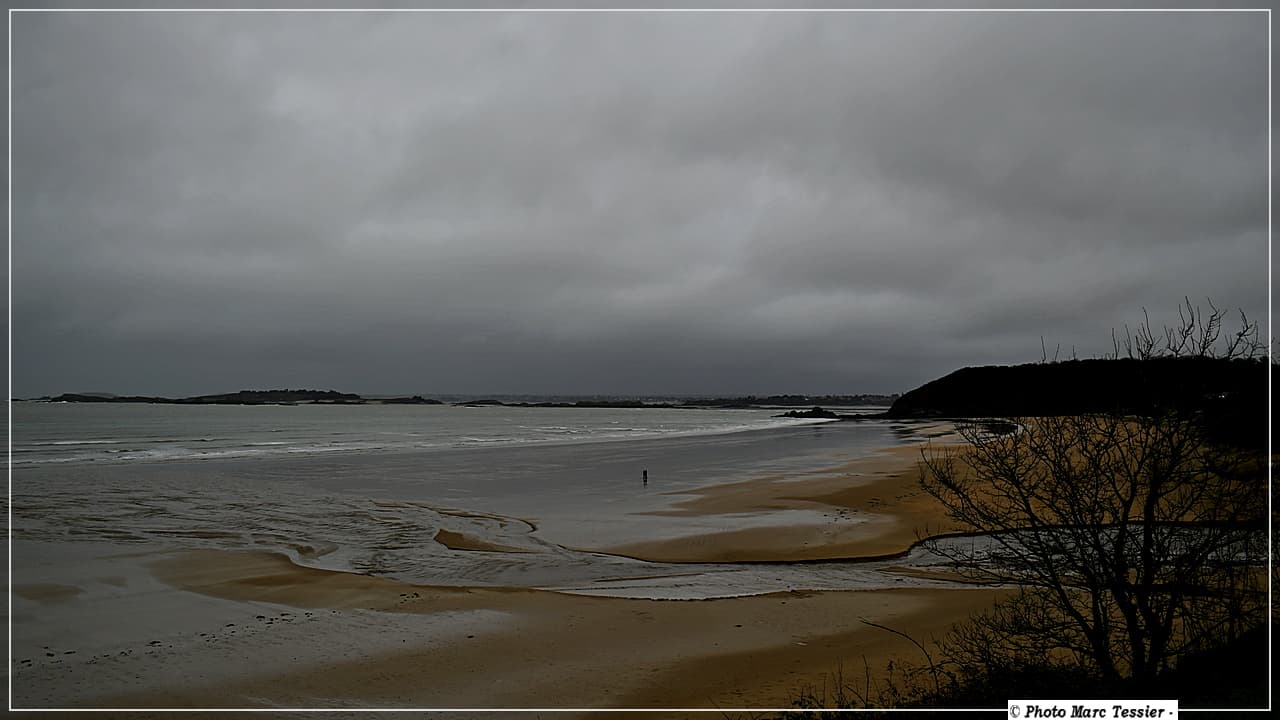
101	538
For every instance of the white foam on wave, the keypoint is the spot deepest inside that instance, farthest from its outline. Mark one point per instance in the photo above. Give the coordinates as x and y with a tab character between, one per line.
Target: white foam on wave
436	429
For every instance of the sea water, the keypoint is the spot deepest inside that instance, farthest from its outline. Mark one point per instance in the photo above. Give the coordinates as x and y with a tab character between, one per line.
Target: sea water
368	488
127	432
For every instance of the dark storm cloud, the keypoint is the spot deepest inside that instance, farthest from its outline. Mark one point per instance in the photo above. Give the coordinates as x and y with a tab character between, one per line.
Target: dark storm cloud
637	203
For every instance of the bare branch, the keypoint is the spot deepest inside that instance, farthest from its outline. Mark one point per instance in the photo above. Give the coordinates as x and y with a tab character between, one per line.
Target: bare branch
1128	536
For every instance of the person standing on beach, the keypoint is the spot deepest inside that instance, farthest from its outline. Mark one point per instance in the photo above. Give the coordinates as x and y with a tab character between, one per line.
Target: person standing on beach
645	474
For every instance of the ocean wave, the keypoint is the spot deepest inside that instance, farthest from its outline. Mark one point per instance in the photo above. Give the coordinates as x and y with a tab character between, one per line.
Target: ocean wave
443	429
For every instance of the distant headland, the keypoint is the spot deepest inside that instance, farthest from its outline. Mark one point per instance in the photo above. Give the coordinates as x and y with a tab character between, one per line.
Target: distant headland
1075	387
1233	391
333	397
246	397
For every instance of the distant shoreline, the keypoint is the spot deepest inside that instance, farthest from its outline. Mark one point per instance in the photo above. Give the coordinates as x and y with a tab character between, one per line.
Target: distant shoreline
332	397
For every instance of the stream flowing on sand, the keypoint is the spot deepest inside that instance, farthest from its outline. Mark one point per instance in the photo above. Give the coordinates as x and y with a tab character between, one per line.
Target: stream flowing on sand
400	491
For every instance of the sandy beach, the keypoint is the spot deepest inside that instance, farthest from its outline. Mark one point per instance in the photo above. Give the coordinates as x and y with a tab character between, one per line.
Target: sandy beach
338	640
558	650
253	629
872	507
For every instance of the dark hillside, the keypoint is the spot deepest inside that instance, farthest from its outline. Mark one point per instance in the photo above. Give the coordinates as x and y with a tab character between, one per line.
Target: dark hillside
1232	394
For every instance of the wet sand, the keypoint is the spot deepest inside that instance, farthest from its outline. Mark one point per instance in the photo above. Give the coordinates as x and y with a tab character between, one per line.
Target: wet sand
463	541
546	649
872	507
254	630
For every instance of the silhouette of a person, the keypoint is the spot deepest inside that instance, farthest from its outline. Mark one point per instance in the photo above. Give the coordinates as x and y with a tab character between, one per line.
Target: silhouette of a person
645	474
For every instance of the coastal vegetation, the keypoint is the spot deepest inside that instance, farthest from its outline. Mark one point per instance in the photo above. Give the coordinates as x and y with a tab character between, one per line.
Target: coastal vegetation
1133	542
1124	499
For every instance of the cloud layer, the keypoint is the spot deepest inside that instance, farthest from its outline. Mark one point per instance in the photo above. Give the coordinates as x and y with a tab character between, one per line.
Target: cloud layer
642	203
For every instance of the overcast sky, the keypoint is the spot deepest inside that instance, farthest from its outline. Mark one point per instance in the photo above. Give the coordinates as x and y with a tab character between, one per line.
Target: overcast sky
629	204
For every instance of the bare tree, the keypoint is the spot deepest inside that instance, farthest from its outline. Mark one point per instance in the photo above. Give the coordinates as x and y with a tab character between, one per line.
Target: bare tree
1132	539
1197	334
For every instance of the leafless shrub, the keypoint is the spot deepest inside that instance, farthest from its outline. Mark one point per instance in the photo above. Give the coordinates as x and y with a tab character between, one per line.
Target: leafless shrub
1131	540
1197	334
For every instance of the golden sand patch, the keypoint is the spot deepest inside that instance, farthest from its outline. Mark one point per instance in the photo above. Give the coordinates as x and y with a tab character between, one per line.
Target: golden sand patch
559	650
875	505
